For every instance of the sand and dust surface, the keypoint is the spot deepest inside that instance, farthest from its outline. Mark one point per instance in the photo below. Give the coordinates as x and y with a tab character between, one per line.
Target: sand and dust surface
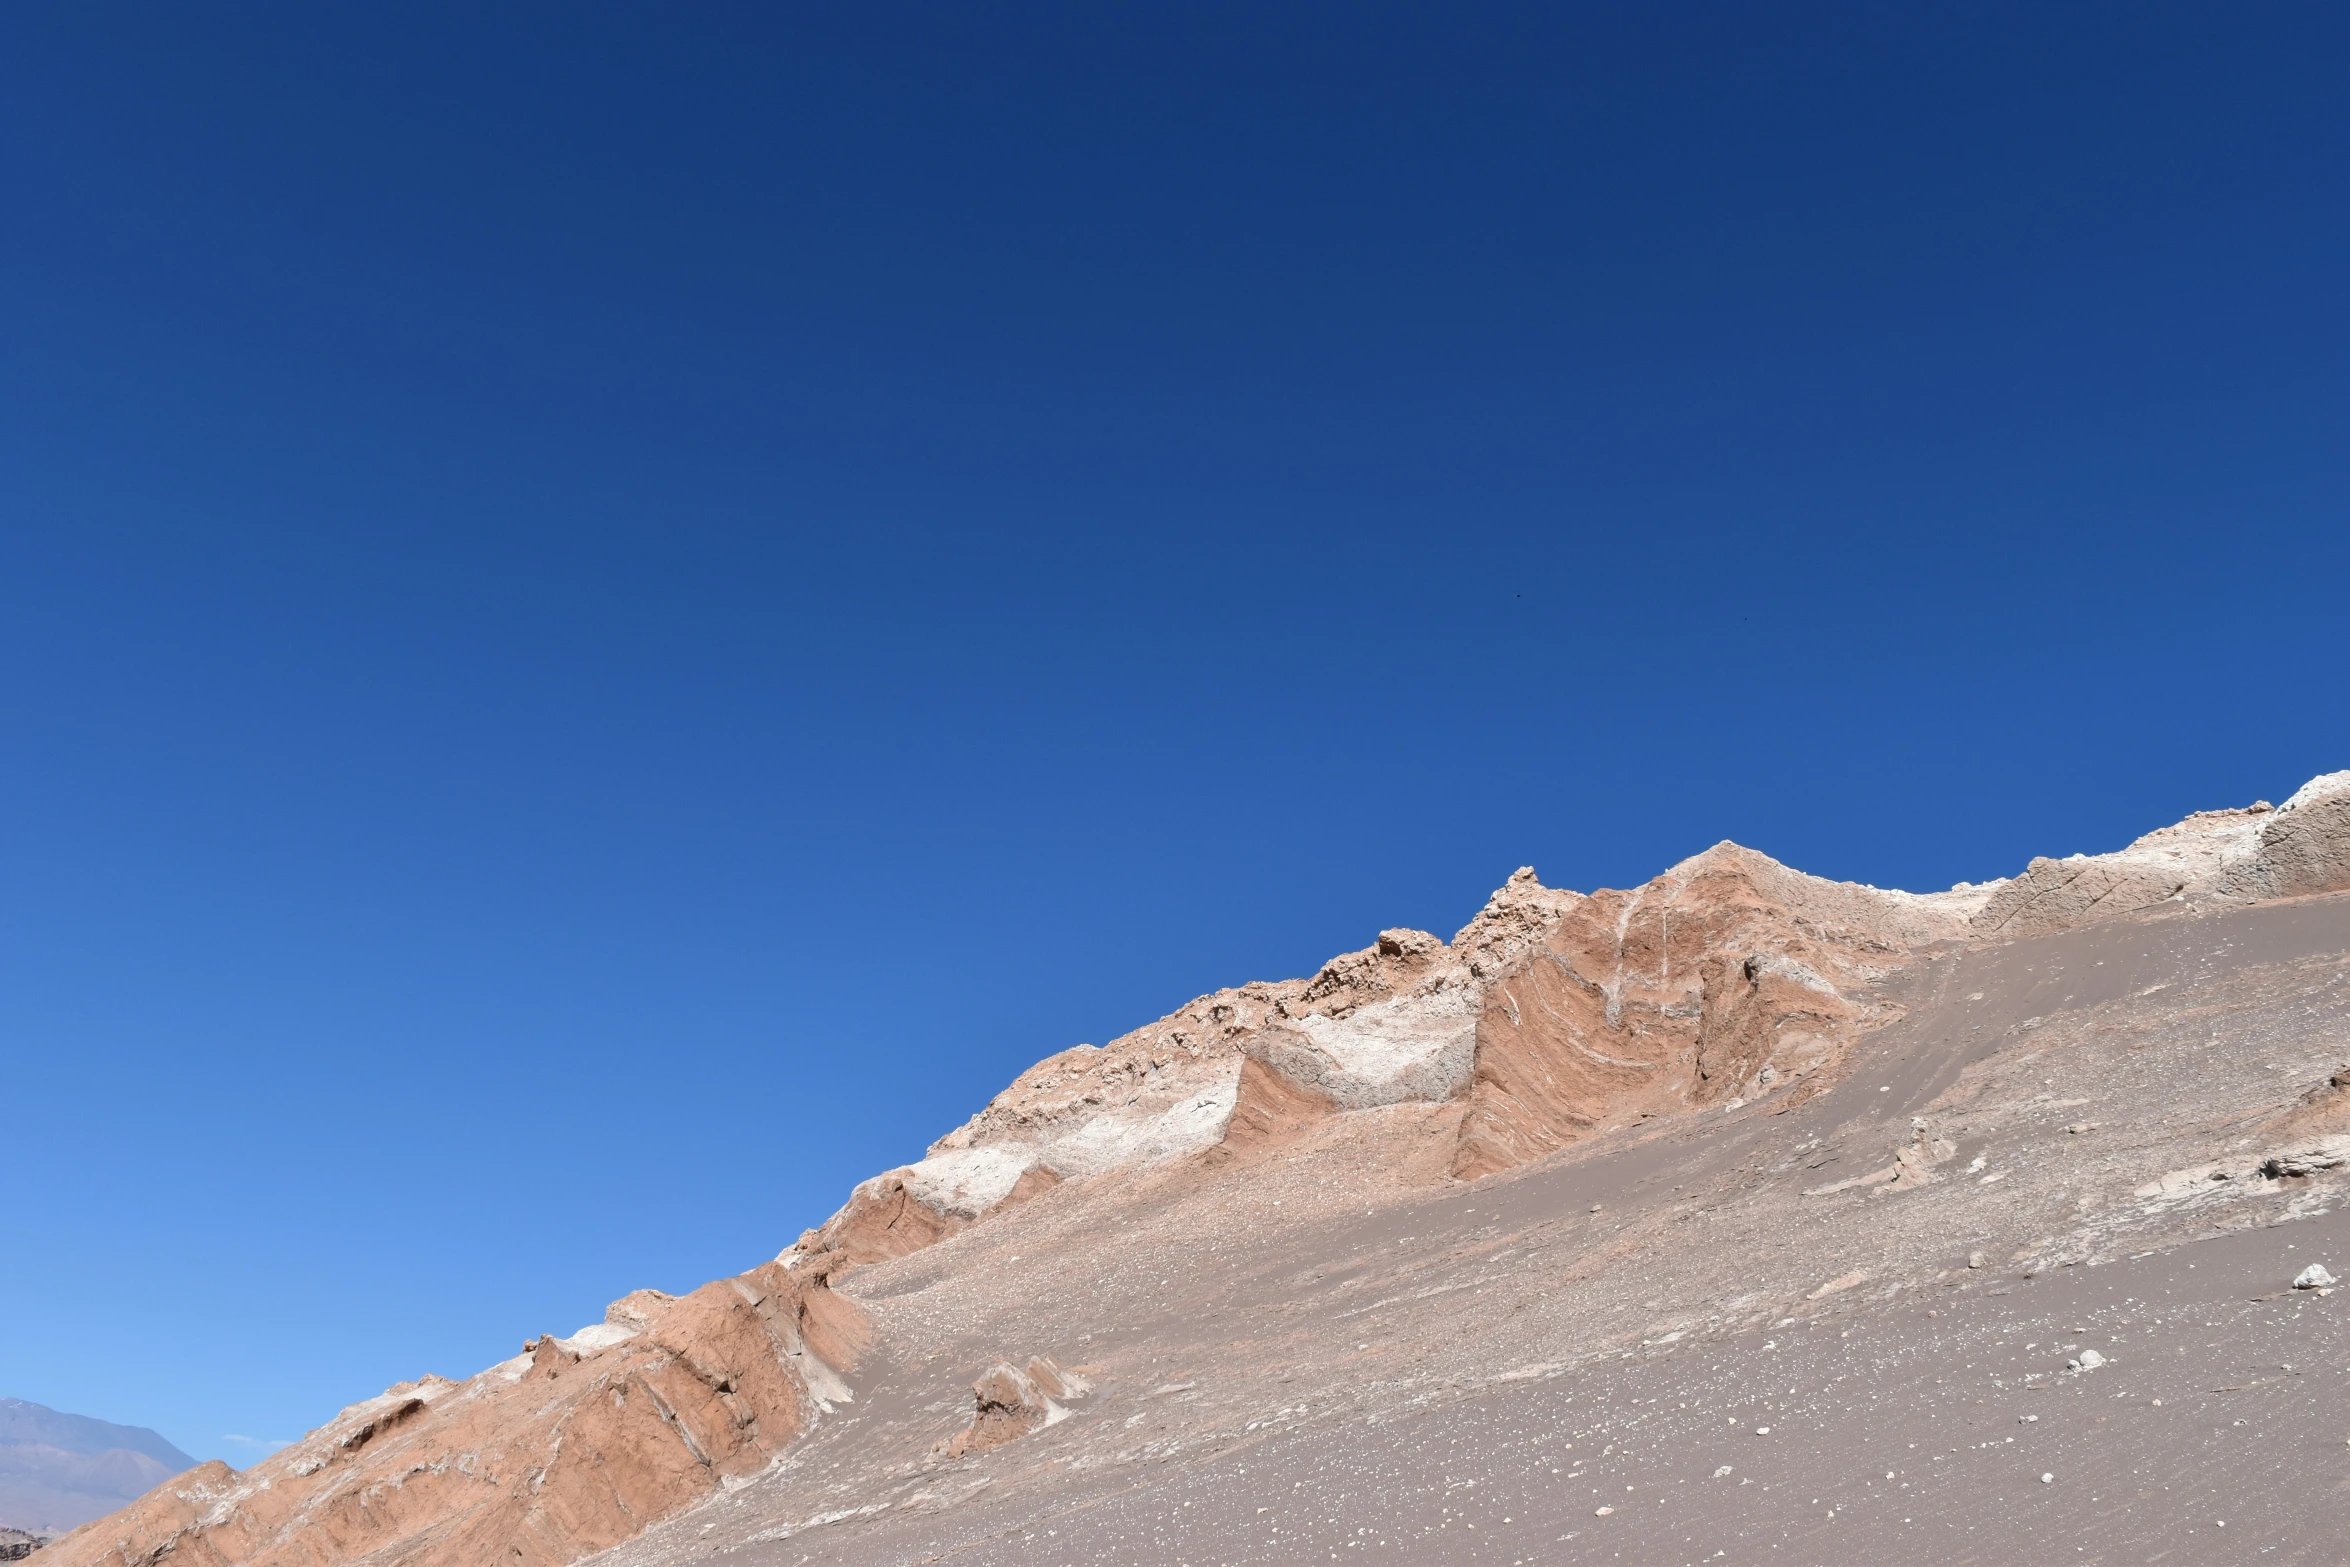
1946	1311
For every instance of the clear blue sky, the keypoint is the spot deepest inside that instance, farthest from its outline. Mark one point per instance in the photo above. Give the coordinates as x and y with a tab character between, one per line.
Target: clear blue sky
612	615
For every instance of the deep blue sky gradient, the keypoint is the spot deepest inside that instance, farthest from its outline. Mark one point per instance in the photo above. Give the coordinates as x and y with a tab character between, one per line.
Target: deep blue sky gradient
611	616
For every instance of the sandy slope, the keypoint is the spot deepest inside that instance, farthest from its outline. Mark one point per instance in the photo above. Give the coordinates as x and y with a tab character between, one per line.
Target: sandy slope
1335	1356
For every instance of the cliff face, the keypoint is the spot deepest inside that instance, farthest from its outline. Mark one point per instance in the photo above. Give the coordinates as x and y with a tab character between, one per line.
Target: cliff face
1551	1021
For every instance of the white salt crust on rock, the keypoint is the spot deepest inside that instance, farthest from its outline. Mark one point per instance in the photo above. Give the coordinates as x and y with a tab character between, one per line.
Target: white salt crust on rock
1404	1048
1397	1022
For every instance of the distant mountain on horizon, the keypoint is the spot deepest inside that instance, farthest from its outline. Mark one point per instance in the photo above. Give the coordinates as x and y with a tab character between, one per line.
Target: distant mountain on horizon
59	1470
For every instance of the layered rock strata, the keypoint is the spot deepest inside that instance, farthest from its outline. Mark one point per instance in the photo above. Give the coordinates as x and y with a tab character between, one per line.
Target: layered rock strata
2256	852
1546	1014
571	1446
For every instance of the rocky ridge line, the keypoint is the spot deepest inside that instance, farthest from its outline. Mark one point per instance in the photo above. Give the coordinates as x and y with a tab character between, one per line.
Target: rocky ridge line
1549	1013
1550	1016
573	1445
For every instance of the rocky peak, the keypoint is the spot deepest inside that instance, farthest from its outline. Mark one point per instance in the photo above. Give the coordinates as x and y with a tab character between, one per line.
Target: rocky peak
1520	911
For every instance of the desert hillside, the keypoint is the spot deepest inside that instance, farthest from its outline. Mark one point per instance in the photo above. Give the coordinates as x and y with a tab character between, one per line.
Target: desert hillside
1740	1211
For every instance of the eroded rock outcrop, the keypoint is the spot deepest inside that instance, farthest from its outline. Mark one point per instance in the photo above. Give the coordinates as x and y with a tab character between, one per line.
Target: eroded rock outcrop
2304	844
571	1446
1546	1013
1728	975
1232	1071
2258	851
1010	1401
1551	1013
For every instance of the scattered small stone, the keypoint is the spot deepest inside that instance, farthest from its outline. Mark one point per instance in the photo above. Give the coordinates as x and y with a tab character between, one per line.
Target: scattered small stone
2087	1360
2026	1420
1976	1259
1718	1473
2048	1479
2314	1277
1601	1512
1762	1430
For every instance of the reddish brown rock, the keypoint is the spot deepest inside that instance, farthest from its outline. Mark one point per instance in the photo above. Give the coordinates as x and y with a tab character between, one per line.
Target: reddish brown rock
1011	1401
570	1447
1730	975
883	1218
1268	1110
